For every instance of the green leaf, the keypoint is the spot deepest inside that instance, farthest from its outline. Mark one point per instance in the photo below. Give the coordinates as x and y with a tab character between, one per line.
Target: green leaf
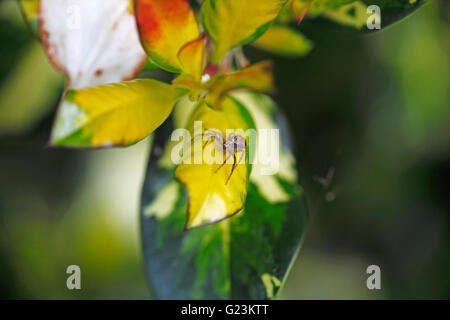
30	10
247	256
284	41
320	6
298	9
231	23
113	115
393	10
351	13
150	65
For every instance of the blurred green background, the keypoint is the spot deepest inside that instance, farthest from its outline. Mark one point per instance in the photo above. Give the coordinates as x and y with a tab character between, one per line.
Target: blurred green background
370	112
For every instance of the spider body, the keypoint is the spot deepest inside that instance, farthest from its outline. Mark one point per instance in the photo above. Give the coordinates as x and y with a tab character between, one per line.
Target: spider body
233	145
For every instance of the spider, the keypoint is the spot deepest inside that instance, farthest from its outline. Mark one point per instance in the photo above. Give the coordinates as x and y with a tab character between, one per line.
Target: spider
234	144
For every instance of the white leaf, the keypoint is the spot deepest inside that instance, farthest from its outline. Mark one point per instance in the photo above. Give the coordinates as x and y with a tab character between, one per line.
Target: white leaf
92	41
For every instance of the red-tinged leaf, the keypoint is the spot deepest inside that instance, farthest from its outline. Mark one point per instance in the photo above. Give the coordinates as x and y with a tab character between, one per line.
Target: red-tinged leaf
165	27
92	41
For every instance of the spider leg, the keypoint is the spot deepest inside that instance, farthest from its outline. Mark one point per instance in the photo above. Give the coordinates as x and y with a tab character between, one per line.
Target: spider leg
232	169
208	132
242	155
228	157
215	133
206	142
211	134
200	135
218	139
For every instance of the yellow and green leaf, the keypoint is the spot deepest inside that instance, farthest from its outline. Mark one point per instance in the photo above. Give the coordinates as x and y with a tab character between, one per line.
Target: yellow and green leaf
252	251
30	10
215	194
269	179
319	6
164	28
192	57
298	9
301	7
231	23
113	115
284	41
257	77
353	15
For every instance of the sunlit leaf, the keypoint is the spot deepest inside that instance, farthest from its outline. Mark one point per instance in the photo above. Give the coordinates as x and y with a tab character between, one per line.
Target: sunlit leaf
298	9
165	27
231	23
284	41
301	7
192	57
113	115
257	77
216	189
247	256
351	13
92	41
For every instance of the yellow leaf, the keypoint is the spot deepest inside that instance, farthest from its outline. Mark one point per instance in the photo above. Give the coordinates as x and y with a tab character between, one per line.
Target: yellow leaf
257	77
300	8
165	27
231	23
113	115
284	41
341	15
192	57
215	192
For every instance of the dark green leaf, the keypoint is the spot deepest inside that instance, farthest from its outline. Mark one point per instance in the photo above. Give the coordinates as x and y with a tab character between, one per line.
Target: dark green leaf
353	13
243	257
394	10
